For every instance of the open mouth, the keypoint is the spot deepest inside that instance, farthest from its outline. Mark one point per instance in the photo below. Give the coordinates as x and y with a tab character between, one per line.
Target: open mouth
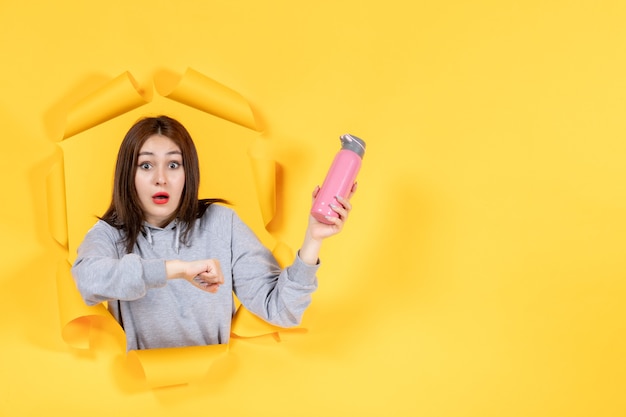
160	198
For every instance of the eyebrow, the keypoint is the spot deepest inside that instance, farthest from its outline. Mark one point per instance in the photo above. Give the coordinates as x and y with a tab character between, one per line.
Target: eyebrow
168	153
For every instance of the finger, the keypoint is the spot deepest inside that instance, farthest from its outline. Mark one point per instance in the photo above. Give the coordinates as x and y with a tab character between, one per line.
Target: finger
210	272
335	221
315	191
353	190
342	212
203	280
210	277
212	288
205	285
213	266
344	202
214	269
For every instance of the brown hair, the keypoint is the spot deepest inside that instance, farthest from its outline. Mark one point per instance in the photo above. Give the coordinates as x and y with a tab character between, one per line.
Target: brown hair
125	211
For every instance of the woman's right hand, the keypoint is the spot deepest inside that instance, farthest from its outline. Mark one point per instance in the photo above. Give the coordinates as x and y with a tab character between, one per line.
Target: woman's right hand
204	274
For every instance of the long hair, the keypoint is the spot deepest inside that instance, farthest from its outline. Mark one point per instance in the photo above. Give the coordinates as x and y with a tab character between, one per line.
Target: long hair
125	211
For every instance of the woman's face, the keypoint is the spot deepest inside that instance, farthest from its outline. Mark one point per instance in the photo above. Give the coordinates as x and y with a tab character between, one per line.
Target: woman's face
159	179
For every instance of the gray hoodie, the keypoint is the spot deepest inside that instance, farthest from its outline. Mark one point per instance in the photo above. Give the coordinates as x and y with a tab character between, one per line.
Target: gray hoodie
160	313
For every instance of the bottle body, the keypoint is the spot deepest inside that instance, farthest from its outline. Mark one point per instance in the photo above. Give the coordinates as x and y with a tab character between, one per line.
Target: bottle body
338	182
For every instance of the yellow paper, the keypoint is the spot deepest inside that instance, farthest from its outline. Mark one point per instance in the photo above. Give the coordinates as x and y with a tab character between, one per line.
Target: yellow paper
77	319
89	131
283	254
264	169
247	325
481	272
115	98
203	93
176	366
57	212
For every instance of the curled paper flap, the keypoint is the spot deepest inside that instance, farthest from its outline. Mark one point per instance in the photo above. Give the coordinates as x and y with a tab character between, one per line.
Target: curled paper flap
175	366
245	324
117	97
283	254
203	93
264	170
77	318
57	210
172	366
160	367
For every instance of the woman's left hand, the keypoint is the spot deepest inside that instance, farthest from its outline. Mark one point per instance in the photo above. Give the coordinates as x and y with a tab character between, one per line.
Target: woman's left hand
319	230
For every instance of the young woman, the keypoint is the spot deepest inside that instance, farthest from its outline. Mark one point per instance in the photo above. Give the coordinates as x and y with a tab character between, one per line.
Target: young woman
168	263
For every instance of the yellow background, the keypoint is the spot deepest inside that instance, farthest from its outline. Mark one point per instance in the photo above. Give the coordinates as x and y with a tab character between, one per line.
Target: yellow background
482	270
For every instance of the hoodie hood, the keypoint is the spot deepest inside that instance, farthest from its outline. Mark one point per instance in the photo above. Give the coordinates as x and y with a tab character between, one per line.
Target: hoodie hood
148	231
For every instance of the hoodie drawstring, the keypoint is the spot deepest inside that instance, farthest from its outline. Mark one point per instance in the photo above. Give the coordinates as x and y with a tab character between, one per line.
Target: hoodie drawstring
176	236
176	244
148	234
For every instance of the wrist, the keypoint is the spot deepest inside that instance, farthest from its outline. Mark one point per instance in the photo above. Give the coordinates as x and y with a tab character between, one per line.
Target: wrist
310	249
174	269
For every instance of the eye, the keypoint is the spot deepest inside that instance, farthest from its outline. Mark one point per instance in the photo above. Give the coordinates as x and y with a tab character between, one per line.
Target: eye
174	164
145	165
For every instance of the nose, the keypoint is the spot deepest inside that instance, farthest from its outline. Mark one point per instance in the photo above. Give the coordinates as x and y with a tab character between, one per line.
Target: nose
161	176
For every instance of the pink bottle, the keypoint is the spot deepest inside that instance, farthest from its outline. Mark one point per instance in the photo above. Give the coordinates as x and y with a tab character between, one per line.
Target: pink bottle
340	177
